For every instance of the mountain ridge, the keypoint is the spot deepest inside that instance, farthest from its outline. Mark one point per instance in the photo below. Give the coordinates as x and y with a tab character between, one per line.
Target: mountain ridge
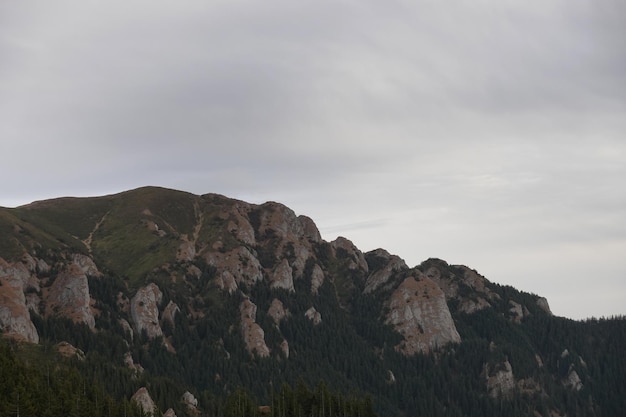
201	279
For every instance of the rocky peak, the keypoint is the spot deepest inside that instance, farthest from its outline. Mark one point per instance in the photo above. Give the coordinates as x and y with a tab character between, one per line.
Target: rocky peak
382	266
344	248
417	309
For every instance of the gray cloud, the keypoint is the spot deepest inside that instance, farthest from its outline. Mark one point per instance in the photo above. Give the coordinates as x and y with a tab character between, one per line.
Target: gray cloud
486	133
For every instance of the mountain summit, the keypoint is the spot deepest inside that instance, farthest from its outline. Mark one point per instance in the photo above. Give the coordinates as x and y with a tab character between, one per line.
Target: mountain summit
209	293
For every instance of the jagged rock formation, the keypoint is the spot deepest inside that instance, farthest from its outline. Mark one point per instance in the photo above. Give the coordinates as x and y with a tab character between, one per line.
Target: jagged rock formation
418	310
499	379
143	399
313	315
253	334
14	315
190	402
144	310
69	296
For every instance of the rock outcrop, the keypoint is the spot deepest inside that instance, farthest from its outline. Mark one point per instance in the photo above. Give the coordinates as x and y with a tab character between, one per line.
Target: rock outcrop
282	277
277	311
15	321
253	334
143	399
190	402
69	296
236	266
144	310
499	379
418	311
313	315
383	267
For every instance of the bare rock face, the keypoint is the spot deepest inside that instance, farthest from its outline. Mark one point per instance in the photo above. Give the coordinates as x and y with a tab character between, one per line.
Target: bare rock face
191	403
418	311
143	399
69	296
357	259
253	334
282	276
236	266
517	311
313	315
277	311
317	278
500	380
452	278
543	304
239	225
572	380
310	231
15	319
302	254
144	310
387	266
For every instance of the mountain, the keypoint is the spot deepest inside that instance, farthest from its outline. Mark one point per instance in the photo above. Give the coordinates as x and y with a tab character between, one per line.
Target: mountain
182	301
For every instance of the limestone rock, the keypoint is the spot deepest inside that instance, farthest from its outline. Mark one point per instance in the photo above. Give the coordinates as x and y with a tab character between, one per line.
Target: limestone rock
144	310
543	304
282	276
357	259
240	264
384	266
500	380
302	254
143	399
277	311
317	278
417	309
313	315
253	334
190	402
15	319
310	231
69	296
572	380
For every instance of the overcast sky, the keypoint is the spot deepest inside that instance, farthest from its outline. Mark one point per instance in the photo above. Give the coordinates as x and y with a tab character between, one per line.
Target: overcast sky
486	133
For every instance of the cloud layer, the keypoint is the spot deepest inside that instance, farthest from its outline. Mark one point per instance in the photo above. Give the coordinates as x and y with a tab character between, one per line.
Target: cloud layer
485	133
